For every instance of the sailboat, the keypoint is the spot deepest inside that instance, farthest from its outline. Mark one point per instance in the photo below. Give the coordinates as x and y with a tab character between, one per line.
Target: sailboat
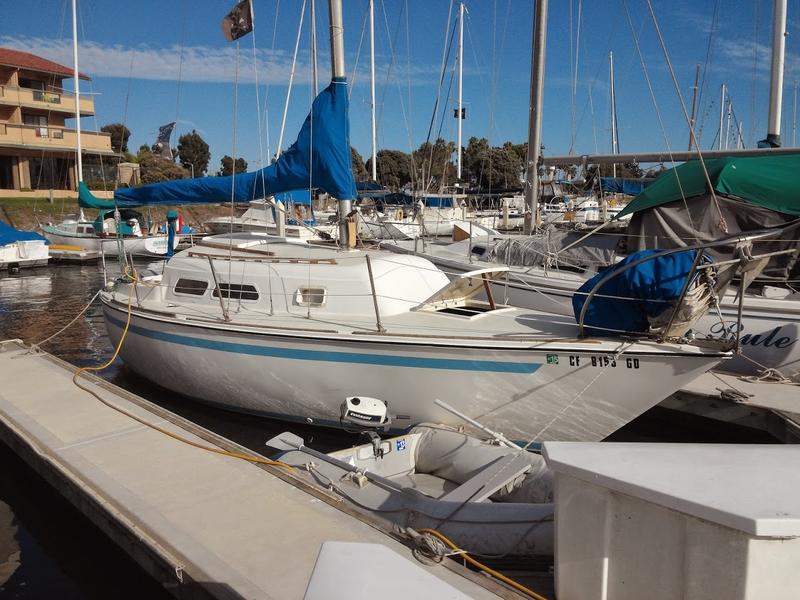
752	189
21	248
255	324
114	230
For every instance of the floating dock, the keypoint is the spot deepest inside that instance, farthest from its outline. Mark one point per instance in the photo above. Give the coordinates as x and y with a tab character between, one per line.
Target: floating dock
72	254
203	524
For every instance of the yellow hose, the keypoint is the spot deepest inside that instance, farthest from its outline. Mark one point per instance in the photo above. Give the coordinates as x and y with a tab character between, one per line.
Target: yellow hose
248	457
517	586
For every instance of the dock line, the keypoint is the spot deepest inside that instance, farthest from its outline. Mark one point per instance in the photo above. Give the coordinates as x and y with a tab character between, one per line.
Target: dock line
421	539
240	455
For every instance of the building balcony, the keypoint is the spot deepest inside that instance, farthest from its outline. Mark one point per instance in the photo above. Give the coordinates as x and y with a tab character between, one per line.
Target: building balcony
51	100
13	135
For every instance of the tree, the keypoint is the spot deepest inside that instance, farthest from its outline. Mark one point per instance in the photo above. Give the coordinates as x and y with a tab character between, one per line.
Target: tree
492	168
393	168
434	162
119	136
357	161
227	166
193	153
154	168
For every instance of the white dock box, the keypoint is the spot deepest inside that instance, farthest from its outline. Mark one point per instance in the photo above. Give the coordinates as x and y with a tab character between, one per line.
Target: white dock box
676	521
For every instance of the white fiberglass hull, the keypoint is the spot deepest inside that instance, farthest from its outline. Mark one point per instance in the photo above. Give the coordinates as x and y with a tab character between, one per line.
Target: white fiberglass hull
26	253
561	390
151	245
770	334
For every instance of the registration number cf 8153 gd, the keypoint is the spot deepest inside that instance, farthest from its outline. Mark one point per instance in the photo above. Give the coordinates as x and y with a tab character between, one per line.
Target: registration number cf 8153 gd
576	360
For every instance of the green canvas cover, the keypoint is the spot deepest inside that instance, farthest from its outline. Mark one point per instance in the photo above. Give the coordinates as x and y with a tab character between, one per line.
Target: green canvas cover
769	181
86	199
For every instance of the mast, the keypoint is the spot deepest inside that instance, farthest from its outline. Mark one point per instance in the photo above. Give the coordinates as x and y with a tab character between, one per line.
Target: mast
535	113
728	122
459	112
79	162
694	106
337	72
614	138
794	117
313	15
776	74
372	88
721	115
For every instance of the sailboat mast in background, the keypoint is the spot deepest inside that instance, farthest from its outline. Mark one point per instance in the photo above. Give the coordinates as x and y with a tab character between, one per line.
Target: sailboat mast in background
773	139
79	157
460	111
535	114
614	136
372	89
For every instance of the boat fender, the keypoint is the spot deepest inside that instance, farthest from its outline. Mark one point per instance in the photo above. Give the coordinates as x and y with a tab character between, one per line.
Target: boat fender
457	457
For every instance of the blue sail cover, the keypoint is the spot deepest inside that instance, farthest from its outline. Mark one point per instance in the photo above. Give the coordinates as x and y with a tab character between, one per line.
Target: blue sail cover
625	302
324	137
9	235
619	185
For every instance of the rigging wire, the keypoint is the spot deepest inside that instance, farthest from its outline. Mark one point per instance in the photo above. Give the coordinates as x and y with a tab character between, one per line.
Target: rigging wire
707	65
267	85
722	223
657	111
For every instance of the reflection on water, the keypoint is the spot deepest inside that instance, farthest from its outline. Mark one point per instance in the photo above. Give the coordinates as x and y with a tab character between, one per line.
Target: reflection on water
41	535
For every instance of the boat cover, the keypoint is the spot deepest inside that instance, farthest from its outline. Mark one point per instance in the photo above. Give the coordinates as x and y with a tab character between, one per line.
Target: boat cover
597	250
627	301
620	185
9	235
320	158
768	181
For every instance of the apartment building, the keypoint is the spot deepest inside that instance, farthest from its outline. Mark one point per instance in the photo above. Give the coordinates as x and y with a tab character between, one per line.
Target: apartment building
37	150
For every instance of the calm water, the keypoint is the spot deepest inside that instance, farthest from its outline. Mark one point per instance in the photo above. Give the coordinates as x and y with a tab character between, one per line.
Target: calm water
49	550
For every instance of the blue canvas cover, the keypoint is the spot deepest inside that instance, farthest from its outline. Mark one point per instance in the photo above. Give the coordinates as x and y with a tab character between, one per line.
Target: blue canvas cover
9	235
651	286
324	137
620	185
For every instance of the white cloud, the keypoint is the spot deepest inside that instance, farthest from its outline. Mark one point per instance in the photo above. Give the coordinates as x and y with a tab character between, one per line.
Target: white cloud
199	63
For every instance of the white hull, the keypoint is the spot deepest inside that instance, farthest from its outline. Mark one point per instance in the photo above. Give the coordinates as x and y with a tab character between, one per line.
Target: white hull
559	390
151	246
770	327
31	253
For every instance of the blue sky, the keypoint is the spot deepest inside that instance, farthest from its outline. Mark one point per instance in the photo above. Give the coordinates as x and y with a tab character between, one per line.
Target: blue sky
133	52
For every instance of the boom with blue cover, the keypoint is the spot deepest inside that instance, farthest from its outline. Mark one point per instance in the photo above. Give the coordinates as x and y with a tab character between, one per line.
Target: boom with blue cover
624	302
320	158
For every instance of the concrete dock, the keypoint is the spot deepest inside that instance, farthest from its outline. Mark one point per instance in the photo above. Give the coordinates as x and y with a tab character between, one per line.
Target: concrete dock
205	525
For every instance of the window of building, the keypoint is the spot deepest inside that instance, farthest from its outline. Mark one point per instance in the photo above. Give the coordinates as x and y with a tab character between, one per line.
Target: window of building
192	287
314	297
236	291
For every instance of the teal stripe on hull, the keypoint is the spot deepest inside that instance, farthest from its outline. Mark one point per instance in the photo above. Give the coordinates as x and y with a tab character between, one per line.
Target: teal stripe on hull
413	362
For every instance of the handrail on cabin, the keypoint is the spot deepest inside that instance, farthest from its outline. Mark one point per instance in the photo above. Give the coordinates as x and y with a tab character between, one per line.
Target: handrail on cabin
738	239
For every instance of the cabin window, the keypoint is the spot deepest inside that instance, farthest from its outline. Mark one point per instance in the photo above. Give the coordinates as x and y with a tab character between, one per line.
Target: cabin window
192	287
236	291
314	297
